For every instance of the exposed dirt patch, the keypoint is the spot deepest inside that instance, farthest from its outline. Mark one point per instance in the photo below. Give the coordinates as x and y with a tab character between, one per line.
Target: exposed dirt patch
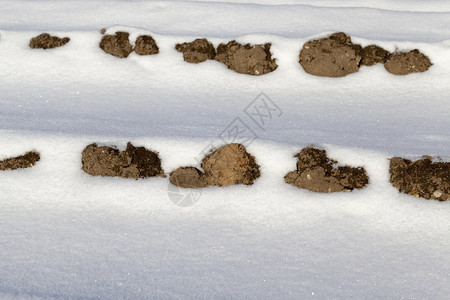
46	41
146	45
335	56
421	178
404	63
188	177
228	165
246	59
134	162
117	45
20	162
317	173
197	51
373	54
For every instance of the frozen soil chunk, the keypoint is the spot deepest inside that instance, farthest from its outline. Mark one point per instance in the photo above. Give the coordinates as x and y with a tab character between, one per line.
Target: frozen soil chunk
117	45
46	41
197	51
228	165
20	162
146	45
246	59
134	162
404	63
317	173
421	178
147	162
188	177
373	54
335	56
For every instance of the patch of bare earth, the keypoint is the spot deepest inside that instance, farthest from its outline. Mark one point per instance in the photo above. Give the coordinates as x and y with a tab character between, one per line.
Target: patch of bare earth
197	51
46	41
134	162
374	54
404	63
335	56
27	160
146	45
188	177
246	59
421	178
317	173
117	45
229	165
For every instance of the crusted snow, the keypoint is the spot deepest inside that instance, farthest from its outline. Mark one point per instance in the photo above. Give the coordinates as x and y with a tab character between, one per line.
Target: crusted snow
65	234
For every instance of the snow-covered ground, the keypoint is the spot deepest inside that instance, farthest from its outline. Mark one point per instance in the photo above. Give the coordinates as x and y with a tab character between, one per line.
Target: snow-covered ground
65	234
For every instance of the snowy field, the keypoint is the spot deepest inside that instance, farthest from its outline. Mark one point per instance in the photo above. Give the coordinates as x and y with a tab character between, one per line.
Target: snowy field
67	235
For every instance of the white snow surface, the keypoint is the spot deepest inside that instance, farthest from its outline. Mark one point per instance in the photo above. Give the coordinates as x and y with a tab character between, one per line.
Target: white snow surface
67	235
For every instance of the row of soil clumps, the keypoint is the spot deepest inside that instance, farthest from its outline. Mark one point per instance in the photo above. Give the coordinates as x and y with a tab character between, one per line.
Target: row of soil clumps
244	59
337	56
334	56
118	45
231	165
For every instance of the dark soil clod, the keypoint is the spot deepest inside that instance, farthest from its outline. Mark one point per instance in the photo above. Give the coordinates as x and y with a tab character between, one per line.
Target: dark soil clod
228	165
421	178
46	41
404	63
317	173
146	45
20	162
117	45
246	59
134	162
197	51
147	162
373	54
335	56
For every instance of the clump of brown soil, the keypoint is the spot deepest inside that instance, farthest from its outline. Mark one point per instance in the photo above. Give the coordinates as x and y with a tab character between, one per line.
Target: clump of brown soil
146	45
46	41
117	45
197	51
188	177
134	162
335	56
246	59
317	173
421	178
228	165
20	162
404	63
373	54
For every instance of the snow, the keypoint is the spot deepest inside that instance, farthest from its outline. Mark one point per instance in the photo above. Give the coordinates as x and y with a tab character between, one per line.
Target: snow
63	94
78	236
65	234
407	21
401	5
